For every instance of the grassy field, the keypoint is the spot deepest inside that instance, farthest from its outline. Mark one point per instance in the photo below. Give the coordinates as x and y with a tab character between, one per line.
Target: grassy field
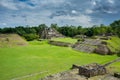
40	57
69	40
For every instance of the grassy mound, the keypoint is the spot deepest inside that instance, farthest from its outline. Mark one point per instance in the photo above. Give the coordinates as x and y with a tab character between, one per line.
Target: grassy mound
114	44
10	40
40	57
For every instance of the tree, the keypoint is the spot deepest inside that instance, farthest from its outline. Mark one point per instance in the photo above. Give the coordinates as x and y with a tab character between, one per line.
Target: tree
41	27
30	37
116	27
89	32
55	26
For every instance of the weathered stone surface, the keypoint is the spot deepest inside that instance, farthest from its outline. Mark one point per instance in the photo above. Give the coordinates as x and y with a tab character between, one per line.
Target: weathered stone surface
93	45
88	45
95	69
49	33
91	70
83	48
102	49
73	75
92	42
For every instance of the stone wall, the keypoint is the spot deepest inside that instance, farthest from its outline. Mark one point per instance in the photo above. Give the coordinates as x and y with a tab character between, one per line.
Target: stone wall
58	43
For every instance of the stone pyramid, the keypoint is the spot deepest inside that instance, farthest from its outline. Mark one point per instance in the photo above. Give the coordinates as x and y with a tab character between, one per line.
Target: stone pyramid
49	33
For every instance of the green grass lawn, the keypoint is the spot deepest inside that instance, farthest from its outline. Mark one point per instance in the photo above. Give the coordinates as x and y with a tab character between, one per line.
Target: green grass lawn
69	40
40	56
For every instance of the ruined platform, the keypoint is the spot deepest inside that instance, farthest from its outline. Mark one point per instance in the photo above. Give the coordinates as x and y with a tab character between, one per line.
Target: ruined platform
91	70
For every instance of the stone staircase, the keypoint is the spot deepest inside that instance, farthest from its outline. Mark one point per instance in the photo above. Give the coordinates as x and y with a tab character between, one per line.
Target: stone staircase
88	45
92	42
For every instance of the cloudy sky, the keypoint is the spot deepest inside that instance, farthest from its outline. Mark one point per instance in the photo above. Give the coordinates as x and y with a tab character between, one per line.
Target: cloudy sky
63	12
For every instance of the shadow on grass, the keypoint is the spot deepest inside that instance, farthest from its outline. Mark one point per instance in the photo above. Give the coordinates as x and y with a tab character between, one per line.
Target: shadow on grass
118	54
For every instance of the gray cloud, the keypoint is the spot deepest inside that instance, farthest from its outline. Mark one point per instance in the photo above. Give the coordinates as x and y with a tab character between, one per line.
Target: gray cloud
106	6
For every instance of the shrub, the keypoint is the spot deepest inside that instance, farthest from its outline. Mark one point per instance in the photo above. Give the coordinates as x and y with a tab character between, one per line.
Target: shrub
30	37
81	40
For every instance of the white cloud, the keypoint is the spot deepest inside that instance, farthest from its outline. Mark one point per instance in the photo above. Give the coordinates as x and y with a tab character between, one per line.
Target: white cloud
8	4
43	3
89	11
4	24
52	1
74	12
94	3
111	1
83	20
110	11
27	18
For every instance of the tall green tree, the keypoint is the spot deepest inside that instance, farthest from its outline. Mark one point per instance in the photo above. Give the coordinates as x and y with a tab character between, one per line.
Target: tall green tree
116	27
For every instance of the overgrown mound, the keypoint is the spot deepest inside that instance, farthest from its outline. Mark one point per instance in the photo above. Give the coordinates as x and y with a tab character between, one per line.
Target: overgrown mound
114	44
100	45
10	40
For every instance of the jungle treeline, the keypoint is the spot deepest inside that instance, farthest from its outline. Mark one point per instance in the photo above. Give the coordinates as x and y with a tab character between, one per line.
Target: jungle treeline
33	32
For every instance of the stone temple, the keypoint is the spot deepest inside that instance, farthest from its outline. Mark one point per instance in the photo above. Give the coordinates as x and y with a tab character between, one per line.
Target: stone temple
49	33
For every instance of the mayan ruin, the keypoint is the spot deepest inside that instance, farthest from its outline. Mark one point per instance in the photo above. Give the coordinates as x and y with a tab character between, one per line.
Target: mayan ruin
49	33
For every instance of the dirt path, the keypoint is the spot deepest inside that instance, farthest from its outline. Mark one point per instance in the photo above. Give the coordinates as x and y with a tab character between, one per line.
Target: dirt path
29	75
116	60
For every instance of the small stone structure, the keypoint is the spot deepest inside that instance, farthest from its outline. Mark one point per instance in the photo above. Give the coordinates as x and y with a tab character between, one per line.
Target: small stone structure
49	33
88	72
94	69
73	75
91	70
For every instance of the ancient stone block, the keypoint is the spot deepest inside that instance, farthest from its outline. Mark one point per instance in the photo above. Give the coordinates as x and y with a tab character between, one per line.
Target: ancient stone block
92	70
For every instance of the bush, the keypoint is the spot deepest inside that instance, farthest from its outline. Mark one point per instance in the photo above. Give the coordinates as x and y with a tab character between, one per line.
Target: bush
118	53
81	40
30	37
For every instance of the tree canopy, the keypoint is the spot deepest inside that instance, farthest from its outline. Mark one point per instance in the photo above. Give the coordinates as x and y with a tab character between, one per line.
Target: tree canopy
32	32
